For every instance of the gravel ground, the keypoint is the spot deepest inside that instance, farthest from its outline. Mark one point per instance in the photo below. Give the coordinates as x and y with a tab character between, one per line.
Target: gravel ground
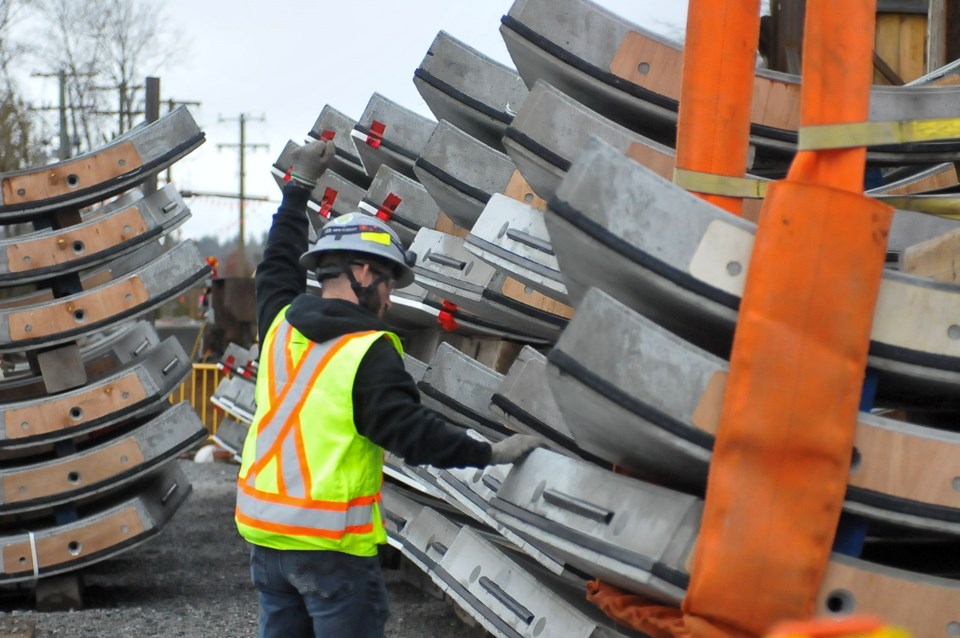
192	580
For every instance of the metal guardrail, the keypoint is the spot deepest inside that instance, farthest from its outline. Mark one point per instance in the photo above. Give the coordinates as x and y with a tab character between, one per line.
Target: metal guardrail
197	390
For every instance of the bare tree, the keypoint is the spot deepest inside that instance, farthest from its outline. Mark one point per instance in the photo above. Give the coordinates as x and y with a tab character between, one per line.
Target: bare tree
106	48
18	144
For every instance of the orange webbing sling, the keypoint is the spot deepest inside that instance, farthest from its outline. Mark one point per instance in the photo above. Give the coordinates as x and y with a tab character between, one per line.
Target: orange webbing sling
782	454
719	61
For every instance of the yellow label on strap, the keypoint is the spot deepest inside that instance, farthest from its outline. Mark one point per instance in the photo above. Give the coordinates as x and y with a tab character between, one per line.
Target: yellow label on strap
856	134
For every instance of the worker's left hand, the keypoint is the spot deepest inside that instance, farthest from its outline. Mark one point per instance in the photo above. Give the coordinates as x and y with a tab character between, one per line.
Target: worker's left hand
514	447
310	160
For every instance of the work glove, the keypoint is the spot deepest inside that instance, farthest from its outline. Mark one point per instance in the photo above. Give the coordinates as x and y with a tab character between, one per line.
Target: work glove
513	448
310	160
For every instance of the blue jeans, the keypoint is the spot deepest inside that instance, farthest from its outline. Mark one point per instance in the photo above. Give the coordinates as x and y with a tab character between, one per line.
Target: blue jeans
318	594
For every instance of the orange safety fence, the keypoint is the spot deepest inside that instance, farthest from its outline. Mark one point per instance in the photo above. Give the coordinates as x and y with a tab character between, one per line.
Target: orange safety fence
197	390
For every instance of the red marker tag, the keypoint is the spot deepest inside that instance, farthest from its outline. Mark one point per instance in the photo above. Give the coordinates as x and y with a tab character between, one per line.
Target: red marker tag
326	135
326	202
375	136
388	207
446	318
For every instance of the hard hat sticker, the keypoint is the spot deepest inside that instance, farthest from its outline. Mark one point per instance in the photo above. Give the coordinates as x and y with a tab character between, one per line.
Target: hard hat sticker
380	238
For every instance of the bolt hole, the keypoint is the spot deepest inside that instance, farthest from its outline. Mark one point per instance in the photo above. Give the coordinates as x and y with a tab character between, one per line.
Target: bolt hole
953	628
856	461
840	601
28	328
27	260
76	412
74	548
22	560
954	332
73	180
734	268
80	315
644	67
73	477
122	162
78	247
21	192
528	197
956	484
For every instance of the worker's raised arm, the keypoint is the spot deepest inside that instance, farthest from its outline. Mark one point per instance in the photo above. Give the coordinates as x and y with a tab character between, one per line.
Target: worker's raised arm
280	277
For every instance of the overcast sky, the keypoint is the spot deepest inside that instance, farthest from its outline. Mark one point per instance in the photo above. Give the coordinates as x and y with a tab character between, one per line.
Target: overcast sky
285	60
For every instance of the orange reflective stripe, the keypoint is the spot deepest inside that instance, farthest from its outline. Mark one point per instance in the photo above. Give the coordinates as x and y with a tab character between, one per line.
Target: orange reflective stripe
293	530
277	401
309	503
275	447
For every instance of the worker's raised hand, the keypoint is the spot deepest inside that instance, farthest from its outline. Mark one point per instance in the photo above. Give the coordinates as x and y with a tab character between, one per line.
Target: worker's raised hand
310	160
514	447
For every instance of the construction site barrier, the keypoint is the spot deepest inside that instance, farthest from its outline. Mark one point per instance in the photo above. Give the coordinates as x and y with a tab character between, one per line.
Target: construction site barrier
197	389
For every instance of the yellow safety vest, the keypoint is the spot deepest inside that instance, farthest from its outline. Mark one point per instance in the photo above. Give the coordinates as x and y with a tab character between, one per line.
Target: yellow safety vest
308	479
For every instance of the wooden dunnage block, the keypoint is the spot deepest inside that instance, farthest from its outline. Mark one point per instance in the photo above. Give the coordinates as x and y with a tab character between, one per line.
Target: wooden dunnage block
333	125
460	172
95	176
468	89
682	262
128	519
388	133
122	395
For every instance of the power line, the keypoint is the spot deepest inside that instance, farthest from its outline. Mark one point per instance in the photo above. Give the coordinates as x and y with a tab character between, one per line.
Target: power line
242	147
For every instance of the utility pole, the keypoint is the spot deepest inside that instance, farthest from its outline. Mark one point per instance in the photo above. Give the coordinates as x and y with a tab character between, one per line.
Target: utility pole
64	152
172	104
242	148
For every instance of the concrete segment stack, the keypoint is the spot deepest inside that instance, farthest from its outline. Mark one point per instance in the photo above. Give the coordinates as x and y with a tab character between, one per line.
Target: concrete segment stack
580	210
88	435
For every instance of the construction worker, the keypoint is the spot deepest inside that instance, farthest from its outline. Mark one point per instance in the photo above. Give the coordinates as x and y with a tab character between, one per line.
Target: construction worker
332	393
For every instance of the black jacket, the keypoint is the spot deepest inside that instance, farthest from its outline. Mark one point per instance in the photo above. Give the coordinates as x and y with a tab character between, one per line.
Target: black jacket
386	403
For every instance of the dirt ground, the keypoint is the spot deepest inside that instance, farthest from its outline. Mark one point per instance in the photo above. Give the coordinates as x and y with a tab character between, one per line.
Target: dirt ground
192	580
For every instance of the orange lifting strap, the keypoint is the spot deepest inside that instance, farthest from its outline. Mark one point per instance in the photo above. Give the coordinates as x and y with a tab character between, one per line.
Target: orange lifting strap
782	455
719	58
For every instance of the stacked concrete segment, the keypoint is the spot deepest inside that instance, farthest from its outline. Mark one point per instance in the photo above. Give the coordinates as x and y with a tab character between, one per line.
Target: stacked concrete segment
88	434
631	375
